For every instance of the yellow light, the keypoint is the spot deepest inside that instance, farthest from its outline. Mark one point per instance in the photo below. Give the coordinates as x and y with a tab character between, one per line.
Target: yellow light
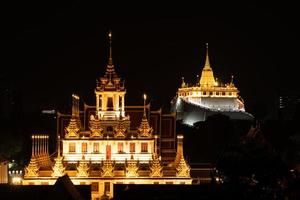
145	96
16	180
180	136
75	96
109	34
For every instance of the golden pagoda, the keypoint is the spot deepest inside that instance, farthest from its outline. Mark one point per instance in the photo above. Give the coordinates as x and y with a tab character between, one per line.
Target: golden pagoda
208	96
109	143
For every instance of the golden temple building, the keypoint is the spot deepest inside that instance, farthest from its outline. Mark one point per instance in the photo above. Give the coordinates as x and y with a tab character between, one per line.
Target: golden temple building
110	143
207	97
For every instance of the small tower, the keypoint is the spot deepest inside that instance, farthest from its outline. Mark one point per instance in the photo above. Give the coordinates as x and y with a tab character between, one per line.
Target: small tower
155	165
95	127
132	167
72	130
110	92
144	129
107	168
120	130
231	82
32	170
58	168
182	168
83	168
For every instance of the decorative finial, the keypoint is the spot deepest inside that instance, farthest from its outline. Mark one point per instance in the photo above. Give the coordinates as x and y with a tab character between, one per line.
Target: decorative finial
231	83
216	83
207	65
75	106
32	146
145	97
183	83
58	146
110	62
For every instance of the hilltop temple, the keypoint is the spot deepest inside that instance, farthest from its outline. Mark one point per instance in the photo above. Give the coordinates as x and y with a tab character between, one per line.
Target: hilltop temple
110	143
207	97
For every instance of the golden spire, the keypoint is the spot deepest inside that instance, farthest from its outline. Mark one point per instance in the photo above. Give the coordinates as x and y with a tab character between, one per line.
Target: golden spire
110	70
145	97
58	168
207	64
58	146
32	146
110	61
155	165
207	76
72	130
144	129
182	168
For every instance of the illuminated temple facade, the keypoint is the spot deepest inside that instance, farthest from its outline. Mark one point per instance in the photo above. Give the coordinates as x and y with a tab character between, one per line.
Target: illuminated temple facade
109	143
207	97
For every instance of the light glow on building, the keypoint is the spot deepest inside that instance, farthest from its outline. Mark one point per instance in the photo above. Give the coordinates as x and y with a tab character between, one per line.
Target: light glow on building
108	150
208	95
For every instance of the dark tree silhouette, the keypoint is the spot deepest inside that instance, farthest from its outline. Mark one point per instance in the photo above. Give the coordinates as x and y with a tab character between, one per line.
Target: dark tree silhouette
251	169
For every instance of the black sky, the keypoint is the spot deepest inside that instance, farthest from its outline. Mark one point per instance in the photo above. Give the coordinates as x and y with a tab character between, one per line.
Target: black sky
51	49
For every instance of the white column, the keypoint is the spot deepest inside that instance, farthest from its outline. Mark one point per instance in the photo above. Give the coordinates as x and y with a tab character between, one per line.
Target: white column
123	104
117	102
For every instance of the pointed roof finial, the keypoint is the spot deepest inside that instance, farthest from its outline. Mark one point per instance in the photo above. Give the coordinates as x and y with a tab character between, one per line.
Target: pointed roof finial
145	97
110	61
231	82
75	106
58	146
183	84
207	64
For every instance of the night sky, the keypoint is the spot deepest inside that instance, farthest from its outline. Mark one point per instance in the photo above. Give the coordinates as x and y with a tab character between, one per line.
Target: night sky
50	50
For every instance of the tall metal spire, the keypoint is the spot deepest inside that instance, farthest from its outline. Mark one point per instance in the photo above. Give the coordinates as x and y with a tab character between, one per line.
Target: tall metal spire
110	61
110	71
58	146
145	97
